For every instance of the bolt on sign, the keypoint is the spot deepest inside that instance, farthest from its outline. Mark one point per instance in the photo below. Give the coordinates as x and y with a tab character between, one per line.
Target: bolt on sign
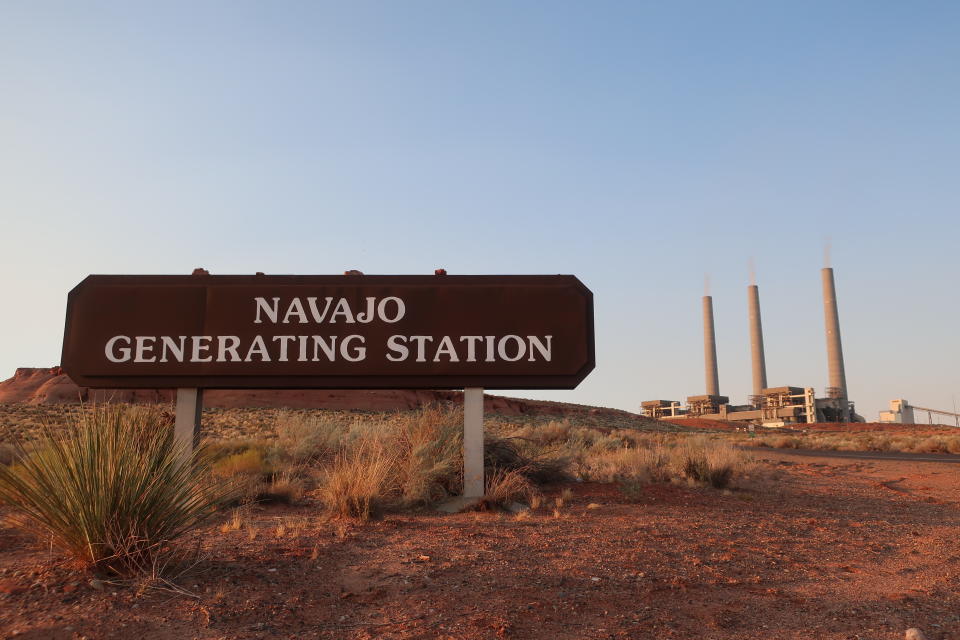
333	332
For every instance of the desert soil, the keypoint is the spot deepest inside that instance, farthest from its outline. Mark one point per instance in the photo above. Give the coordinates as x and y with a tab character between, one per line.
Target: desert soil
809	548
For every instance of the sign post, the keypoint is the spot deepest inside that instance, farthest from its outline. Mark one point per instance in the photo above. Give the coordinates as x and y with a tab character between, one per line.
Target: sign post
330	332
186	429
473	485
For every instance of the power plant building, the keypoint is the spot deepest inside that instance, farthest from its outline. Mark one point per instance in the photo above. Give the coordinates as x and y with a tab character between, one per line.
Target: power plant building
769	406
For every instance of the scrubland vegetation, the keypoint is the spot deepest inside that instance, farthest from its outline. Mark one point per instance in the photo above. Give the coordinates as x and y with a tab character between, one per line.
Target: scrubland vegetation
863	441
113	490
411	460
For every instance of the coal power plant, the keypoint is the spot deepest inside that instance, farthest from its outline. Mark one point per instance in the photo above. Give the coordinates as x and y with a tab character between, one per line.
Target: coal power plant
768	406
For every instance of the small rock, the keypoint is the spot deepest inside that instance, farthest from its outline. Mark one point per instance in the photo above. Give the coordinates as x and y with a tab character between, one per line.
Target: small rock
458	504
914	634
517	507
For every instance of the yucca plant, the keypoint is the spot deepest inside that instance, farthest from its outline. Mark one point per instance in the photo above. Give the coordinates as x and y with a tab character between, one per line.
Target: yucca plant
113	490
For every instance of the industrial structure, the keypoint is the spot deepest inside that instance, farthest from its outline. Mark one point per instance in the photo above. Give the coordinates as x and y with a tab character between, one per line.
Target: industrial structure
903	412
769	406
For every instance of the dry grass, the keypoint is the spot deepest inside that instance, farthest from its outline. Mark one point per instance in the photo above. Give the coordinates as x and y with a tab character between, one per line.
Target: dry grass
248	462
651	465
416	459
711	462
428	446
698	459
357	479
309	438
504	487
233	524
285	487
8	454
863	441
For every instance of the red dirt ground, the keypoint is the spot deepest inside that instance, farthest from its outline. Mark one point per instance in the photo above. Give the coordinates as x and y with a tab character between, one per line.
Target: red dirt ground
810	548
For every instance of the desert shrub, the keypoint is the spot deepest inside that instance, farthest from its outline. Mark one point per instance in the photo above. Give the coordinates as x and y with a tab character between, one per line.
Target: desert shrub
584	438
8	453
416	459
876	443
408	459
358	479
710	462
304	438
641	464
285	487
608	442
632	488
538	464
217	450
503	486
258	472
646	440
932	444
658	464
250	462
113	489
428	447
551	433
953	444
786	442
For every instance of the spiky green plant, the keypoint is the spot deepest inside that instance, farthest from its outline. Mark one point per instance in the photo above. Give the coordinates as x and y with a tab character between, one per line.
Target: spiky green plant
113	490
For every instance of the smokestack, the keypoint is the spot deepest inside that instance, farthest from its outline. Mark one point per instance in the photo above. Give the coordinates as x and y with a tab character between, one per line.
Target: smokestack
710	348
756	340
838	378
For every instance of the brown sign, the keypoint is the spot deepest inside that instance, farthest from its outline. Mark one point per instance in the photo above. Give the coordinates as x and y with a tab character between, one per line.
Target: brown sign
353	331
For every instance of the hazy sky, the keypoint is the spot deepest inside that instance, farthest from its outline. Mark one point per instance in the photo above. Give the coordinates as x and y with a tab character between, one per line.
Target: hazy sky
637	145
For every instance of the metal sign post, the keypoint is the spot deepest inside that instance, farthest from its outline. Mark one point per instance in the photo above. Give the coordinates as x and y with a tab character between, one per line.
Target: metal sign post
186	429
473	442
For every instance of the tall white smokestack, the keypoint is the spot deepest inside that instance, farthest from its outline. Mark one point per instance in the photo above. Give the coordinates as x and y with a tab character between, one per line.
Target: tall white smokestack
710	348
756	340
838	377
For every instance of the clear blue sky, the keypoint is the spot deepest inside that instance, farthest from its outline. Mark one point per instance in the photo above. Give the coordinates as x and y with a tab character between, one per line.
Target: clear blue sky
638	145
